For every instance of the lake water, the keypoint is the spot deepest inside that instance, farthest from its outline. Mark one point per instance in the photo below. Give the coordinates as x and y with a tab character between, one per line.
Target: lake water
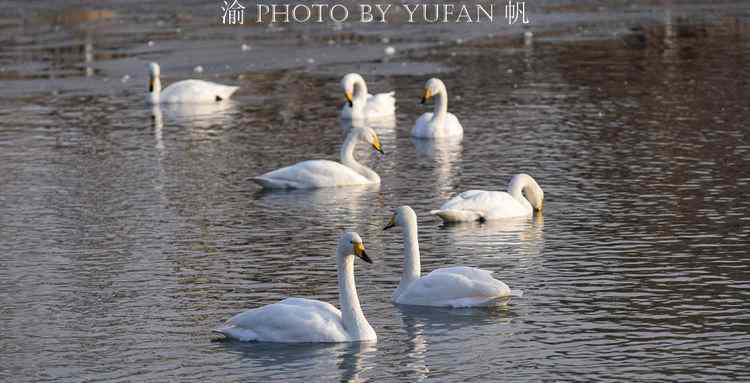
127	233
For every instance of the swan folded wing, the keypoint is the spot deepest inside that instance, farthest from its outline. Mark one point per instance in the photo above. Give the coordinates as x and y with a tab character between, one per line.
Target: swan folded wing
196	91
310	175
291	320
455	287
382	104
480	201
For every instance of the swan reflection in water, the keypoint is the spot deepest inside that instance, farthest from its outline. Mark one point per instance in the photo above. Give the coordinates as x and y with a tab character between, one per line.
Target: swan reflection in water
200	119
430	329
446	153
523	233
264	361
351	206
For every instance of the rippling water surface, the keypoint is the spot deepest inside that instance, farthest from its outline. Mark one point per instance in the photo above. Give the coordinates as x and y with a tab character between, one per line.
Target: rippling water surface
127	233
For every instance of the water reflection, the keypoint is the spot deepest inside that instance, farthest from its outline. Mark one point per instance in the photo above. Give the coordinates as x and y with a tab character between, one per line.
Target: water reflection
158	121
446	154
349	205
268	360
523	234
429	329
201	116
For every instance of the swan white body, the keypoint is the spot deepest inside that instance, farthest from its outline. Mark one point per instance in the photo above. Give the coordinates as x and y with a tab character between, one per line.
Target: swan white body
480	205
298	320
458	286
362	105
315	174
186	91
440	123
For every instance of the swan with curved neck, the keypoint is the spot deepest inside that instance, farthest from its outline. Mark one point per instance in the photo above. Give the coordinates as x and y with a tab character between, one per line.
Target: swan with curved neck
186	91
458	286
360	105
296	320
439	123
315	174
524	196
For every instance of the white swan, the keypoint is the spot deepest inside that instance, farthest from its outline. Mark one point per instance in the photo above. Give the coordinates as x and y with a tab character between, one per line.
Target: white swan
458	286
186	91
314	174
362	105
296	320
480	205
441	123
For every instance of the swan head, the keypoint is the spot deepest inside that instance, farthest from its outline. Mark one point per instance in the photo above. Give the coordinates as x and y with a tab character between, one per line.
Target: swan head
432	87
351	244
368	135
531	189
535	195
403	216
348	83
154	70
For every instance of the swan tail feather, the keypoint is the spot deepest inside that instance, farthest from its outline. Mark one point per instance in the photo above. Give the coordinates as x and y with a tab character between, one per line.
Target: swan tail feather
234	332
225	92
269	184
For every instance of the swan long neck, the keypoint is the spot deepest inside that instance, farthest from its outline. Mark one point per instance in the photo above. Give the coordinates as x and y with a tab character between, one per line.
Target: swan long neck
347	157
412	266
155	88
354	320
516	186
359	98
441	104
360	90
523	182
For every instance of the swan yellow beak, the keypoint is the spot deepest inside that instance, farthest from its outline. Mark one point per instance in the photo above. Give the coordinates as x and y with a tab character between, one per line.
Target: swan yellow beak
359	250
426	96
150	85
391	223
541	205
348	96
376	145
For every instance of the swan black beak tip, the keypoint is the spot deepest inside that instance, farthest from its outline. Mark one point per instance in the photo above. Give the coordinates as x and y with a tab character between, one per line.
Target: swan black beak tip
365	258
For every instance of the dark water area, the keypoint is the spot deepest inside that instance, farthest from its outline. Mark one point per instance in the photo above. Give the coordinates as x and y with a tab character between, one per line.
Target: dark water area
128	232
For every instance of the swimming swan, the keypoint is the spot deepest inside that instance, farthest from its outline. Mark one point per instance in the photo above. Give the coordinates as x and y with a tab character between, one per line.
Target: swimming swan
362	105
480	205
296	320
314	174
186	91
441	123
458	286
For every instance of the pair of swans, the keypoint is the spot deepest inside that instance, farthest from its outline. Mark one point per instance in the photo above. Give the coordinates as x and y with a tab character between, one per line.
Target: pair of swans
364	106
295	320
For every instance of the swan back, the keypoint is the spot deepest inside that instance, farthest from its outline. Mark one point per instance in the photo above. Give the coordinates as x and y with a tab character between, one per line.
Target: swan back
524	183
